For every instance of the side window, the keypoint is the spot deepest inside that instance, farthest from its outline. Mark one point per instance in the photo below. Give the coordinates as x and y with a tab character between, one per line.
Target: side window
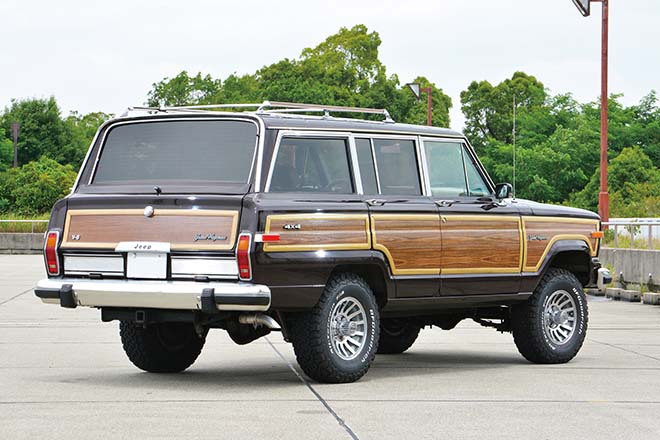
367	169
397	167
446	172
476	185
312	165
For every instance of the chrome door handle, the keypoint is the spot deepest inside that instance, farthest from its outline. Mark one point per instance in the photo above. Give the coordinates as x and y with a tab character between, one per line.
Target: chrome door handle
445	203
376	202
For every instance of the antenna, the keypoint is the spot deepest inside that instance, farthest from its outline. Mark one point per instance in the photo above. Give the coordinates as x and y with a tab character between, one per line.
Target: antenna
514	146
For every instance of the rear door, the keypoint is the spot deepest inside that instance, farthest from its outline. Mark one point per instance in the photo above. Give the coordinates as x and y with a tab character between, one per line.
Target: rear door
481	236
405	224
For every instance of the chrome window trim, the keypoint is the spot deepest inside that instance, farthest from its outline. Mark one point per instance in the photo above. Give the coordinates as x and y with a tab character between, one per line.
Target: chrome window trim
112	124
307	134
357	175
367	132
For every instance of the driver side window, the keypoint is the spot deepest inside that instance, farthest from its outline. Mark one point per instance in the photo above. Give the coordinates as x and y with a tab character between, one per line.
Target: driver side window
312	165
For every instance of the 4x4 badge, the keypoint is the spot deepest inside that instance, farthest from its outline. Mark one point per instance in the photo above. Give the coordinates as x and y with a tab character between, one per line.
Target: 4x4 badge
292	227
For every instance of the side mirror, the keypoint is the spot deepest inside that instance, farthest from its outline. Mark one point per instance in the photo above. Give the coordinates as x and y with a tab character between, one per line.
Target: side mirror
503	190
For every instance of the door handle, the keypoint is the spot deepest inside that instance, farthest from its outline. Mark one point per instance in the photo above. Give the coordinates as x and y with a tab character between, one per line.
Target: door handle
376	202
445	203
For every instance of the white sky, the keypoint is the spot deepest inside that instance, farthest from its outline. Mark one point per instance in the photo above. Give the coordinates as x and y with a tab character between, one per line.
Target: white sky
104	56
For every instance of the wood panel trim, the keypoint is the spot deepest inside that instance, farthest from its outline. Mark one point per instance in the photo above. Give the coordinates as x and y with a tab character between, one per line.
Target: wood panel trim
487	270
581	237
68	244
386	251
274	247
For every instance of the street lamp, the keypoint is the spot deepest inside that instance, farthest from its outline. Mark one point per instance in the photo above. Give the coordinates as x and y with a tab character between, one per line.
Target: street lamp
584	6
417	91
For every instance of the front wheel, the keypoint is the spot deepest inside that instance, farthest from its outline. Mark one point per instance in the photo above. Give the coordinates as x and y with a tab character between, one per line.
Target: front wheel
167	347
337	340
551	326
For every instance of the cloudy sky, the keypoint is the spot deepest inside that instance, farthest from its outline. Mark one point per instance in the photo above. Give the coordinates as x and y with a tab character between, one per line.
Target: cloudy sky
105	55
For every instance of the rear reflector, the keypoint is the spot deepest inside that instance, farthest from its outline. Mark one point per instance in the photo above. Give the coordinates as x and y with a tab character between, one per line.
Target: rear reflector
266	238
597	234
50	253
243	256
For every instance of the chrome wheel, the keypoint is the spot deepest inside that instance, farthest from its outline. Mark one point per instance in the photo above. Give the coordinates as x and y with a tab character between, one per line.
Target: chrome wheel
559	317
348	322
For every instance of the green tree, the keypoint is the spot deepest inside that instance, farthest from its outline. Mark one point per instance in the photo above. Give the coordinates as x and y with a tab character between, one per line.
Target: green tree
42	130
183	90
6	152
33	188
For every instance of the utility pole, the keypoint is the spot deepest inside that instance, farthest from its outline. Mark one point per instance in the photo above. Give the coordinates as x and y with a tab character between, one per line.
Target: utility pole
15	130
584	6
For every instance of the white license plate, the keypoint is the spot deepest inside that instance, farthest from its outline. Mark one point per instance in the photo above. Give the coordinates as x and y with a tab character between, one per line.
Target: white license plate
151	265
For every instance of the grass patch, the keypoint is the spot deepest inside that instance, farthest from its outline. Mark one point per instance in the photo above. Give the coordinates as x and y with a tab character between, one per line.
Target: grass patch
21	226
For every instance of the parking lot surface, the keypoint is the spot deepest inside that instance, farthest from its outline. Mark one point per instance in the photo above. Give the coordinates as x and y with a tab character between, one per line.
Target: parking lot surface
63	374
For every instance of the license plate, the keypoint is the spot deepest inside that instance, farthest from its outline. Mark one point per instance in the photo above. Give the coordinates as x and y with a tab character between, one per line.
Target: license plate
145	259
150	265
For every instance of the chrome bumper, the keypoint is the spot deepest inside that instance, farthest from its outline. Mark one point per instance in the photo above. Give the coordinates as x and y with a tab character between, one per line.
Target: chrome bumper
179	295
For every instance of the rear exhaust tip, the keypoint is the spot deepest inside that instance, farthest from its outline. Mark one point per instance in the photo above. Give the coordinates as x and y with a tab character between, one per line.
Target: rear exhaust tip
259	319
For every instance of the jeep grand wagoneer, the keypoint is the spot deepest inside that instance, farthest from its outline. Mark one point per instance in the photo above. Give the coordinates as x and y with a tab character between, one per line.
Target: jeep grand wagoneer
347	235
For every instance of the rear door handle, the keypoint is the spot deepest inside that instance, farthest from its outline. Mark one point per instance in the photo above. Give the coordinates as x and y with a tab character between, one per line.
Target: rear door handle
376	202
445	203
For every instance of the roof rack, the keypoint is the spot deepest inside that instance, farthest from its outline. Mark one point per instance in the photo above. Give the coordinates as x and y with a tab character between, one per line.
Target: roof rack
275	107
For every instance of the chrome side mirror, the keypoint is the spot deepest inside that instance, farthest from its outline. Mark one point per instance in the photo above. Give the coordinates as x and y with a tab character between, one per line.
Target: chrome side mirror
503	190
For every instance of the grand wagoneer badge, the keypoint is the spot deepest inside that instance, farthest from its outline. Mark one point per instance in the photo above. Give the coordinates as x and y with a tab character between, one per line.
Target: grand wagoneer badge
209	237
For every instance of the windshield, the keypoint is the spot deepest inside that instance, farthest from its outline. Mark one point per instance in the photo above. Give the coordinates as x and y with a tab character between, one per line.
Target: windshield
178	152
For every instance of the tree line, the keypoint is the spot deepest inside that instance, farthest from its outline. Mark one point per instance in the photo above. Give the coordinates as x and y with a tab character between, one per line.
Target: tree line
556	137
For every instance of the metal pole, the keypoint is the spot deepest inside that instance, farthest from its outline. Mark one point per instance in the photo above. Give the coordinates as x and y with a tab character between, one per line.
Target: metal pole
603	197
15	126
429	105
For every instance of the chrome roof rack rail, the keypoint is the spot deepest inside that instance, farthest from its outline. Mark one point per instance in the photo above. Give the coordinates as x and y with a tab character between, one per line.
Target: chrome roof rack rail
292	107
271	107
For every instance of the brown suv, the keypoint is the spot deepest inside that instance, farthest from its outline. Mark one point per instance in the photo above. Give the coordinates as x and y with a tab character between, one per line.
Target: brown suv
347	235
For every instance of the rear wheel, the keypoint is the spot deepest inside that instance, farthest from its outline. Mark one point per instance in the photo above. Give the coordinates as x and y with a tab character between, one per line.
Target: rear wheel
337	340
550	327
397	335
168	347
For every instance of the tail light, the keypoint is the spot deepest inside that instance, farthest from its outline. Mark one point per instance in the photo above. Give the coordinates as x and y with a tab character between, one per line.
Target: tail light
243	256
50	253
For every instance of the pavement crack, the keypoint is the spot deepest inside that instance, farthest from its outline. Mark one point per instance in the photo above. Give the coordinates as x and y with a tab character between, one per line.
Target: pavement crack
16	296
625	349
318	396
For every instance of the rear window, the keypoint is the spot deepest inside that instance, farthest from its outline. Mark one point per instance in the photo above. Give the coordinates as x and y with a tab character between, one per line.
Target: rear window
181	152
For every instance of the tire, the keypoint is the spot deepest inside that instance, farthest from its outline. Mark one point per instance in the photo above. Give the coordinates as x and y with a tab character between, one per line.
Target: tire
321	336
168	347
396	336
537	324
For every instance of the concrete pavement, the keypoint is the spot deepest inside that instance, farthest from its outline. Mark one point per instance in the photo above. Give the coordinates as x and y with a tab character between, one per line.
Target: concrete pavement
63	374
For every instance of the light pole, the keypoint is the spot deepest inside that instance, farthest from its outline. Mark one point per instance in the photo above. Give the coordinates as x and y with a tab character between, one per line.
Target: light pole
584	7
15	129
417	91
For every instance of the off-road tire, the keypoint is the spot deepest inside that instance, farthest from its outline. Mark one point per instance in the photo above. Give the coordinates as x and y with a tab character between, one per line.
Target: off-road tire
397	335
527	320
311	333
168	347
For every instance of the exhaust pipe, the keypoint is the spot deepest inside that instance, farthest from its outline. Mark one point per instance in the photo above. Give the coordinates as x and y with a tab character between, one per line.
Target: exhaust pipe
258	319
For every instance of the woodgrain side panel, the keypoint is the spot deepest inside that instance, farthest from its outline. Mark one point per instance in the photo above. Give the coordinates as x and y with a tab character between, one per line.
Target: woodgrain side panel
411	242
481	244
542	232
104	229
310	232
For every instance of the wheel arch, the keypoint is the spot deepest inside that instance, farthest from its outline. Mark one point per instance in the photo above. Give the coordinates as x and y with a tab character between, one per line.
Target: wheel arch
375	273
572	255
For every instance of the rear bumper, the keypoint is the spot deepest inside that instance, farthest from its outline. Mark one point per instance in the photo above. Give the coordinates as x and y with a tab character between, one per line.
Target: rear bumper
176	295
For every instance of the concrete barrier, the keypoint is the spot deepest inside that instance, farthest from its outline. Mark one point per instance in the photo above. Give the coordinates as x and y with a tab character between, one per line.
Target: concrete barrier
637	266
19	243
651	298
